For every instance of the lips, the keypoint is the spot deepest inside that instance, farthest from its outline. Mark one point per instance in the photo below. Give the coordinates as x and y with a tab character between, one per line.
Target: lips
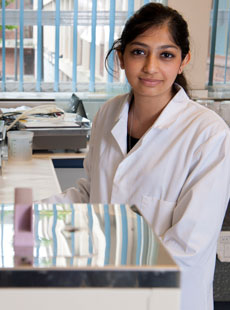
150	82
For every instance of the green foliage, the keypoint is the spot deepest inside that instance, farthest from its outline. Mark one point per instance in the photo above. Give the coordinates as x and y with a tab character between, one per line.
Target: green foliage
8	27
7	2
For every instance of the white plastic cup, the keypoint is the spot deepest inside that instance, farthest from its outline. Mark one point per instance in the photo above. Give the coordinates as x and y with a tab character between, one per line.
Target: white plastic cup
20	145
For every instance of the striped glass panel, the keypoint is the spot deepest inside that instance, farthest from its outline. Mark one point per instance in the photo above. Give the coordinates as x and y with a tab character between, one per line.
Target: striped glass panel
75	22
62	44
3	46
21	50
57	41
93	46
39	47
111	36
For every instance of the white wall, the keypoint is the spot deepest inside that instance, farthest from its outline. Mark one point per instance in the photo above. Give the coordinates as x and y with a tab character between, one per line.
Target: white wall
197	14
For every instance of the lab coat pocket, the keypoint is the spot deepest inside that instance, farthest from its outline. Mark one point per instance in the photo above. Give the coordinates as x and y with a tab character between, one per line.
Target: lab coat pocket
158	213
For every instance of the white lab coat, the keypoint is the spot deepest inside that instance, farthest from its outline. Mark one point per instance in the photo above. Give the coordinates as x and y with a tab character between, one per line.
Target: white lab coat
178	175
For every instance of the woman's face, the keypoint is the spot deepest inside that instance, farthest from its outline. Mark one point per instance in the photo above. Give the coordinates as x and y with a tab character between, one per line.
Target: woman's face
151	63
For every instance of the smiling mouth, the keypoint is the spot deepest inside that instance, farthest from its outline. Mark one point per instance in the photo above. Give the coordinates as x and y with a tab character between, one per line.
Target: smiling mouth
150	82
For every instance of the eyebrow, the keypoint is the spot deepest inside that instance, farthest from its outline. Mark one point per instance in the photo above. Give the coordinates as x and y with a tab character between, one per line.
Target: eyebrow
161	47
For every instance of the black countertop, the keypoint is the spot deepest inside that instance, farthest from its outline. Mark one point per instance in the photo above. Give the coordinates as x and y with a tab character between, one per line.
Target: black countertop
222	270
86	246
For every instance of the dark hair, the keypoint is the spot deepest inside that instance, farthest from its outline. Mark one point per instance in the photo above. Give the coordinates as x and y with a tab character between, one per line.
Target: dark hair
151	15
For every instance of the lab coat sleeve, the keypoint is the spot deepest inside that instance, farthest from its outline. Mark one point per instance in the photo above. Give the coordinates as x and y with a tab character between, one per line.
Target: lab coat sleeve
202	202
84	183
79	194
198	217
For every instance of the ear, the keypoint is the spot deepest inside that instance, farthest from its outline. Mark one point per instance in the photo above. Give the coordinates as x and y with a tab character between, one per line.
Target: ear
184	62
121	59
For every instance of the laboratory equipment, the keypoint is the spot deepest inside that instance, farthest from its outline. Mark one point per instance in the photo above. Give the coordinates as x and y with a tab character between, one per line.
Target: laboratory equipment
20	145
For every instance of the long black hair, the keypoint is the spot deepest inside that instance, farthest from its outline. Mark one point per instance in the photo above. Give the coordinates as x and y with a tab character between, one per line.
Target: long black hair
153	15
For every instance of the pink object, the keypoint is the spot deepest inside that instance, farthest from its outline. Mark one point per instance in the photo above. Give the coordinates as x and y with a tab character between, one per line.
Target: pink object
23	226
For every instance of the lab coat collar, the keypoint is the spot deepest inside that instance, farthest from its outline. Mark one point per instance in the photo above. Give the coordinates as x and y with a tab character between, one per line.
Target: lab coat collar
122	113
119	130
168	116
172	110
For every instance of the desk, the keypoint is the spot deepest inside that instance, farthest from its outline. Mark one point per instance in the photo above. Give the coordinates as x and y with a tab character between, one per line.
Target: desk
111	261
37	174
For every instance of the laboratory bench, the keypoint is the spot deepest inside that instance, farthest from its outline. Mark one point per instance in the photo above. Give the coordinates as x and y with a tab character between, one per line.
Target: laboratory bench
222	271
38	174
41	174
84	255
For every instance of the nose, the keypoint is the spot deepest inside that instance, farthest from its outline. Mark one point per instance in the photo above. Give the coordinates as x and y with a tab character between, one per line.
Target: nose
151	64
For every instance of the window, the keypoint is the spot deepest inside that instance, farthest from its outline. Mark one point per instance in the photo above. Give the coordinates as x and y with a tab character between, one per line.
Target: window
60	45
219	64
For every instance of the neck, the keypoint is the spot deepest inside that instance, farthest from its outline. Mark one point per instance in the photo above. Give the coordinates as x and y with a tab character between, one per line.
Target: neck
143	112
149	106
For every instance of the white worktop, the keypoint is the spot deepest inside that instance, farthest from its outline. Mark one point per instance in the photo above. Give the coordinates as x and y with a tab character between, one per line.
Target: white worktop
38	174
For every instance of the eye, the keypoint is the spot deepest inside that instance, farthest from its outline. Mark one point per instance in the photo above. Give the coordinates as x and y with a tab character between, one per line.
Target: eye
137	52
167	55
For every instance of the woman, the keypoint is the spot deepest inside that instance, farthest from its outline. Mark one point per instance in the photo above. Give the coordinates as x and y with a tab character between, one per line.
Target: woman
159	150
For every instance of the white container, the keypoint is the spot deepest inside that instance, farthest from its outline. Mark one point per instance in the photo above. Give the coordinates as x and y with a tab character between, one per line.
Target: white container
20	145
